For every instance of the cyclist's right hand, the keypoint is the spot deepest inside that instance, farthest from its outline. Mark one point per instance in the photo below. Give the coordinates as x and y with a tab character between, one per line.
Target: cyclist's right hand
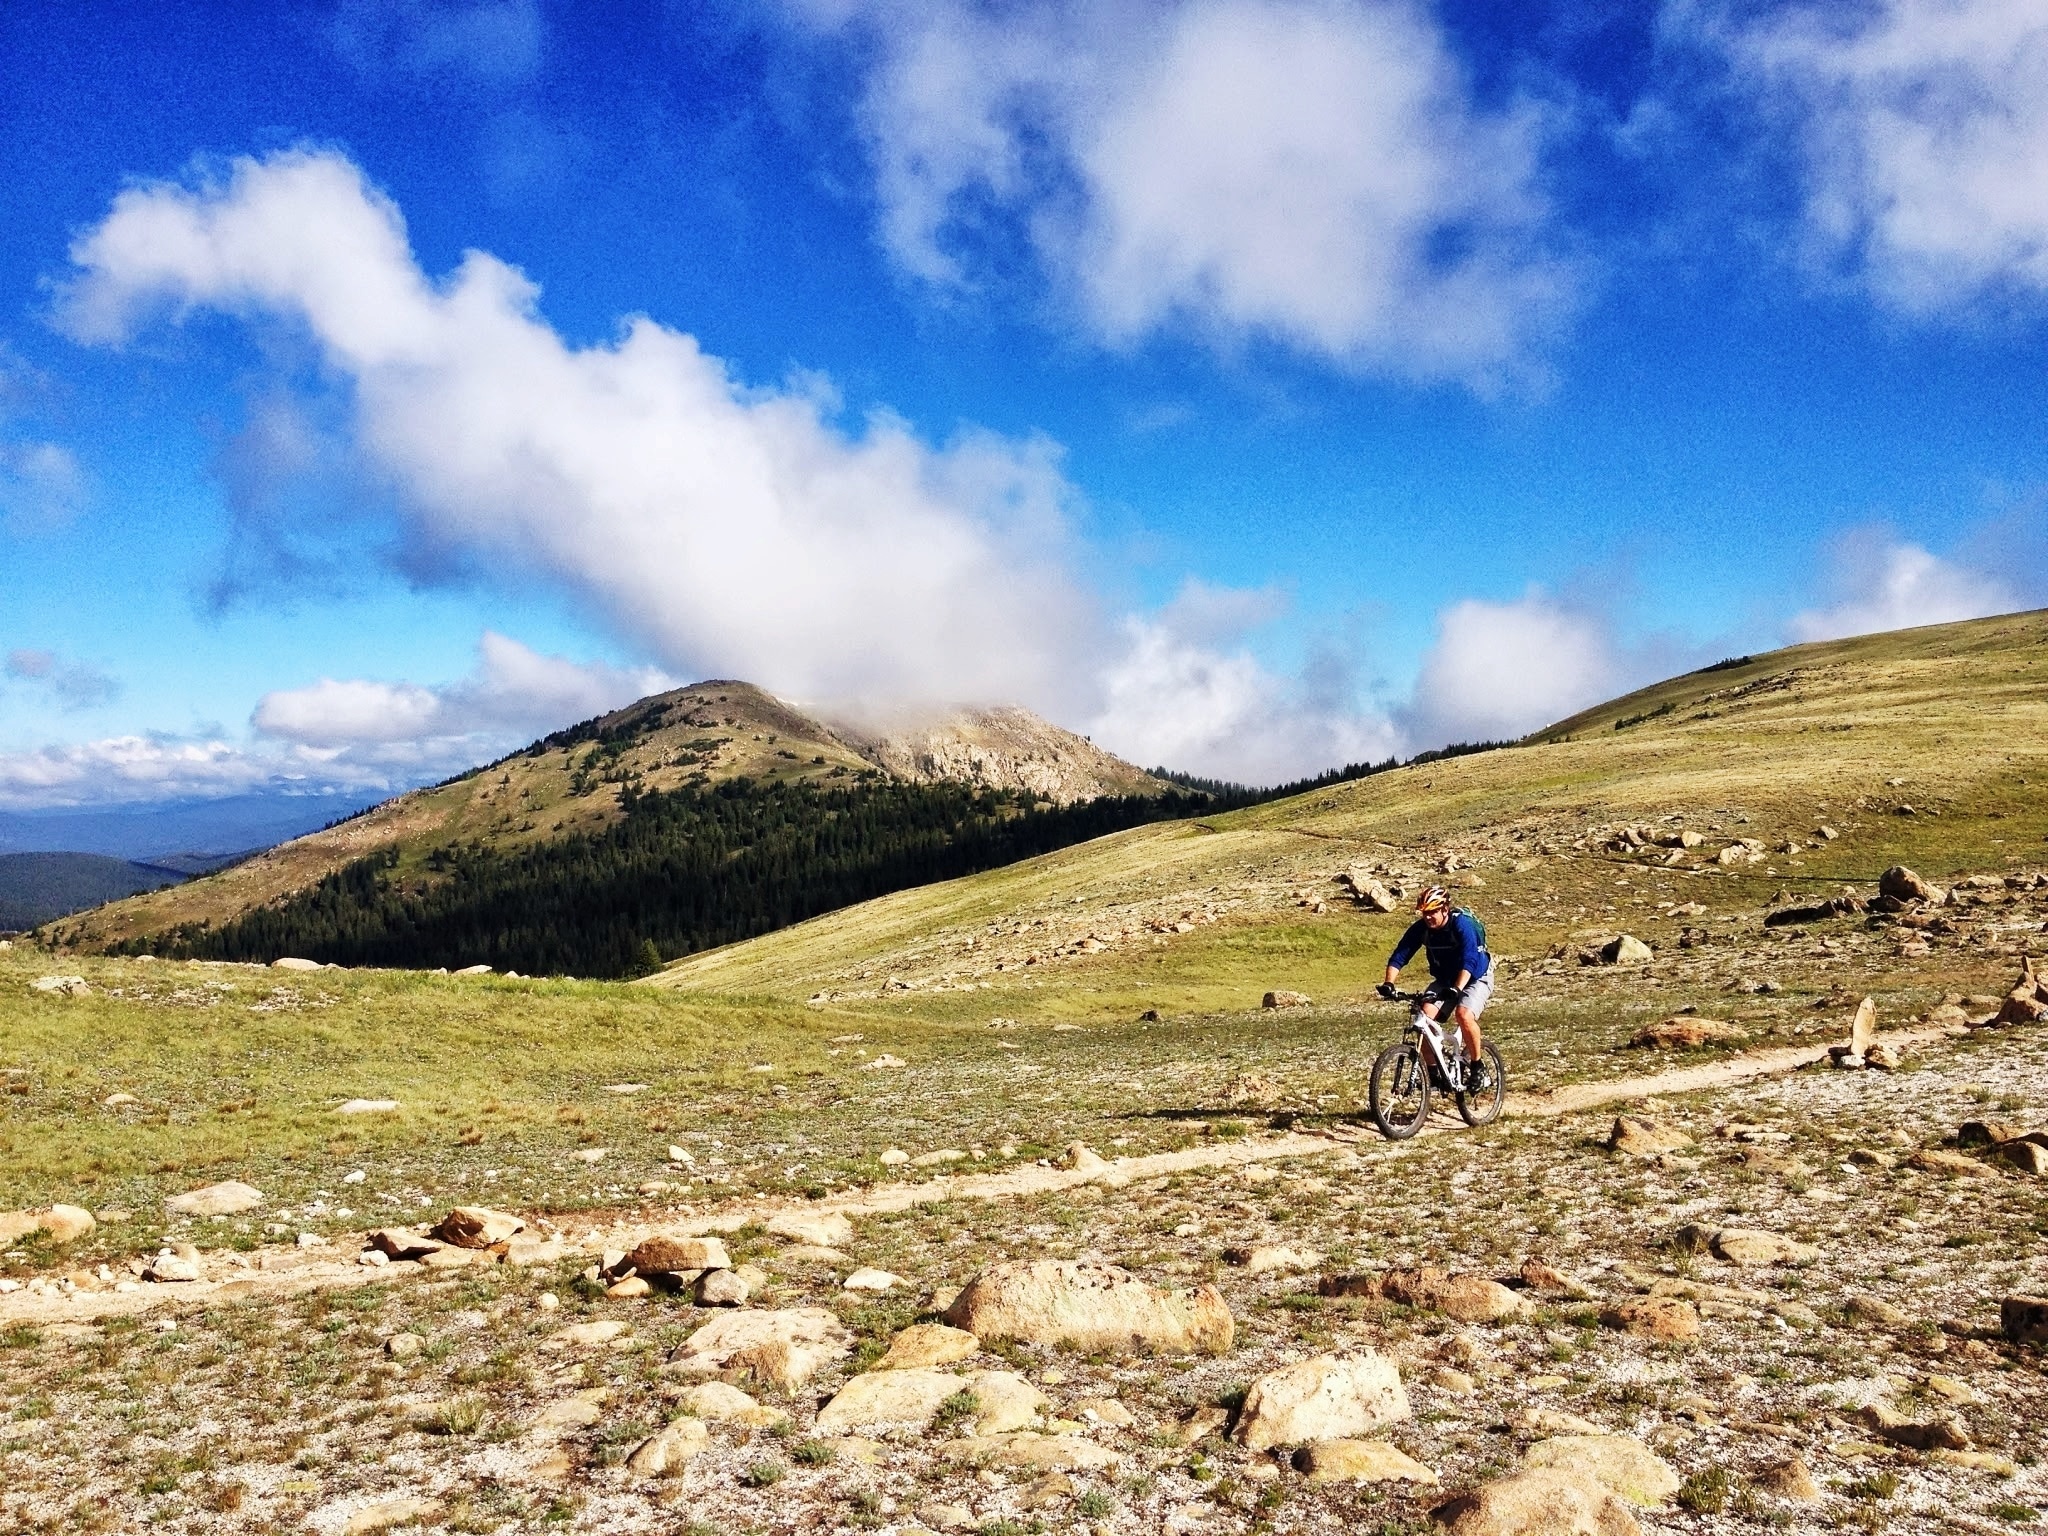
1386	990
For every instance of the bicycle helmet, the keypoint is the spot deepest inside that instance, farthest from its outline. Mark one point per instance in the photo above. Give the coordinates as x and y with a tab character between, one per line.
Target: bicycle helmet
1435	899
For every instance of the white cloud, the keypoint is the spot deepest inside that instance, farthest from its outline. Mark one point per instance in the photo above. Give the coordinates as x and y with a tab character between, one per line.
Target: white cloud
1314	172
1924	126
1220	712
1500	670
515	695
1883	584
731	530
73	684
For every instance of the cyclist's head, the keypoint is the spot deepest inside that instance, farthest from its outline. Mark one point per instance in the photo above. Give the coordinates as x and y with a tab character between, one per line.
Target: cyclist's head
1434	900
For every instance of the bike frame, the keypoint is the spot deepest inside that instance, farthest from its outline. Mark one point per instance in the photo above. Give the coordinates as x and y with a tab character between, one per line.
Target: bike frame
1450	1057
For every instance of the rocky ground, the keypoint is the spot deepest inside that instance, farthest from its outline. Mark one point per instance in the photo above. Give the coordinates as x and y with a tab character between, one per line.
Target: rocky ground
1847	1367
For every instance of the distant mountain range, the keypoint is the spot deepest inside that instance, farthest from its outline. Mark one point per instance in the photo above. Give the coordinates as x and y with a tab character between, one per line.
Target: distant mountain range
175	833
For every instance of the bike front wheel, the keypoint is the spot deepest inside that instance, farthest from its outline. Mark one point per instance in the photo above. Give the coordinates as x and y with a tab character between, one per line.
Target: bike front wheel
1399	1092
1483	1107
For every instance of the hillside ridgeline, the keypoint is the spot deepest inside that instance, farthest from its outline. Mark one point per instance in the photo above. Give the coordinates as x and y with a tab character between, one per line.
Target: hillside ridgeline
576	784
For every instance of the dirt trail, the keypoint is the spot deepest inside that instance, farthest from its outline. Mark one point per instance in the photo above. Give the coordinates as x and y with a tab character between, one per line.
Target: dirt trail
284	1272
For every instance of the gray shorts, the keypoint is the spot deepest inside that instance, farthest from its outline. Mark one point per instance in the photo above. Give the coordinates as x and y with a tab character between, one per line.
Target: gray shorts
1477	994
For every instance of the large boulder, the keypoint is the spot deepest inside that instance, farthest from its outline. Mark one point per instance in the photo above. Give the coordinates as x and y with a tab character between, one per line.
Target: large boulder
784	1348
1329	1397
1627	1466
230	1198
2027	1002
1626	949
1542	1501
1901	884
477	1226
1092	1306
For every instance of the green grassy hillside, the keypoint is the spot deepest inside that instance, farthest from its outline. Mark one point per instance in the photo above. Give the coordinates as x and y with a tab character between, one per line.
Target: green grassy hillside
1926	746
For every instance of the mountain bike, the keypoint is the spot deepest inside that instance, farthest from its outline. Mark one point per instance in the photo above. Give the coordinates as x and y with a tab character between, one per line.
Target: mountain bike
1423	1062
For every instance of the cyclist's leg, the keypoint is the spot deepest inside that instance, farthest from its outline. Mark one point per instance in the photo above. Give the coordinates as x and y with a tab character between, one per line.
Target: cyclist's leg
1477	996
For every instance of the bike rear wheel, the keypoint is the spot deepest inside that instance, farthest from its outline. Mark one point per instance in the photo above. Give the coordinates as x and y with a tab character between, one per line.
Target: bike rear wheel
1399	1092
1483	1107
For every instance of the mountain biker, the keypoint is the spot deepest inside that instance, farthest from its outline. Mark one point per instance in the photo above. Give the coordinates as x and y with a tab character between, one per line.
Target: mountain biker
1460	970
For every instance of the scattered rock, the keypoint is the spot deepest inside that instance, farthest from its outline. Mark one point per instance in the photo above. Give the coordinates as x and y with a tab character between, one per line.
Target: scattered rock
1539	1276
1746	1246
1468	1298
398	1243
1635	1136
1625	949
590	1335
1935	1160
1986	1133
1863	1029
2028	1154
822	1229
172	1268
68	986
529	1249
1080	1158
879	1398
1324	1398
2024	1320
1627	1466
1447	1379
1789	1479
1548	1422
784	1348
1901	884
368	1107
403	1346
226	1199
2027	1002
895	1157
1090	1305
1884	1057
1685	1033
1943	1434
666	1452
722	1288
1283	999
668	1254
1367	891
1875	1312
1359	1461
476	1226
1272	1259
720	1402
927	1344
1539	1502
1665	1318
871	1280
1201	1424
294	963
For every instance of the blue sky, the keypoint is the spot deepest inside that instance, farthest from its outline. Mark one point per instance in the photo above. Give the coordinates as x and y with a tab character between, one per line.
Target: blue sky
1256	385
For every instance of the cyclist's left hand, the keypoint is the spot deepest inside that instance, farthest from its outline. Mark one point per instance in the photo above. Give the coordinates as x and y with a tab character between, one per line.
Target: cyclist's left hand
1386	990
1453	1001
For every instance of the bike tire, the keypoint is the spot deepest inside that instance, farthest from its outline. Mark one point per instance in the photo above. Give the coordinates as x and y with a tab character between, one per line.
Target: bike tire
1484	1108
1398	1092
